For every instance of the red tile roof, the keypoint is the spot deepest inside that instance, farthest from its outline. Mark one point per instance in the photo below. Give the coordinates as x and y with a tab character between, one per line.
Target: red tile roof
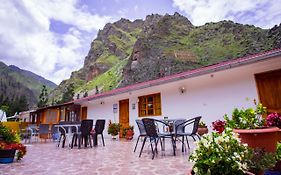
187	74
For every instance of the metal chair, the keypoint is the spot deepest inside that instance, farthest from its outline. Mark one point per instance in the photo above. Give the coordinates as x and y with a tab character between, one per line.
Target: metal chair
153	135
31	132
181	129
84	134
99	127
141	130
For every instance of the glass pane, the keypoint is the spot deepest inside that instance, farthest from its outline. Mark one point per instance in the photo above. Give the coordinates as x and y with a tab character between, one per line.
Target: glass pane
150	99
150	112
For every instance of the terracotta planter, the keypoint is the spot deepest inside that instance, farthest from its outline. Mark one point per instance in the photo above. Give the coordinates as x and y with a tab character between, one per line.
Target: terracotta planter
279	135
259	138
7	155
202	130
130	134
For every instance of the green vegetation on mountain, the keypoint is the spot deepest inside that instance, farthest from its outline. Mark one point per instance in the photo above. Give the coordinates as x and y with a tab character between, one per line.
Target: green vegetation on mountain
128	52
20	89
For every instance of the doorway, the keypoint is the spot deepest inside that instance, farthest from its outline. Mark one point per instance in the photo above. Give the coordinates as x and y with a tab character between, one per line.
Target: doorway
123	114
269	90
84	113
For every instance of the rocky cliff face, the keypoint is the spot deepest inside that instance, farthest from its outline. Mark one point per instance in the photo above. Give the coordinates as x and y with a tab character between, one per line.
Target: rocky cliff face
127	52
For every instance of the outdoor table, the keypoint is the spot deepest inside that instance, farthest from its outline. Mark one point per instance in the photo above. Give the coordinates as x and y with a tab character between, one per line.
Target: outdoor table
68	134
171	129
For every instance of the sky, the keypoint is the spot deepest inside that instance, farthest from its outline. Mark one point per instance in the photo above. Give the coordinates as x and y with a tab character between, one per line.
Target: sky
52	37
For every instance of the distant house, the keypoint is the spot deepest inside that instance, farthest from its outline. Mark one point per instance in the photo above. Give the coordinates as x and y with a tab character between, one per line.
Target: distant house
53	114
210	92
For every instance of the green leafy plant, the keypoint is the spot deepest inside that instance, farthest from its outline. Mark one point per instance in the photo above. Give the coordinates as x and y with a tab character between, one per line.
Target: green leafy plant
11	140
278	152
246	118
260	160
220	154
113	128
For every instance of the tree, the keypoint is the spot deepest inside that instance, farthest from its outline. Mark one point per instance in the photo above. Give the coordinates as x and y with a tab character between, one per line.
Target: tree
43	97
68	94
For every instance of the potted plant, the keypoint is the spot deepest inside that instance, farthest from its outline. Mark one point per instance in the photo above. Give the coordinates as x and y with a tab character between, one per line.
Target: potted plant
250	126
224	154
113	129
202	128
261	161
10	145
220	154
128	132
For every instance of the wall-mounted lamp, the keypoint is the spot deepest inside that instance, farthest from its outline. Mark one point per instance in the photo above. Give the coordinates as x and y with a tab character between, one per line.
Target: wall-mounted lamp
182	89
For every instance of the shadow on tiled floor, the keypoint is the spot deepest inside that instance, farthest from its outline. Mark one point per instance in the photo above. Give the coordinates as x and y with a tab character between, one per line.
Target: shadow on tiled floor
117	157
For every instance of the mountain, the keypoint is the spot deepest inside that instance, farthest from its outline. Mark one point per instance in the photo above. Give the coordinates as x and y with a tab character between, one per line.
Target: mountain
16	82
126	52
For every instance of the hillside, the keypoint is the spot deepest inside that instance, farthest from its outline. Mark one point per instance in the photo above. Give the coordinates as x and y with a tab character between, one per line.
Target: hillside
16	82
128	52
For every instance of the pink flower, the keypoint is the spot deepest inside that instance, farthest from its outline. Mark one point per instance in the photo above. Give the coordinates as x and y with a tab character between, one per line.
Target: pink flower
274	119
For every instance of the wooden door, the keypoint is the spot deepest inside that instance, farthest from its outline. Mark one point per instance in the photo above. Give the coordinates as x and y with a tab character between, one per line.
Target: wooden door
123	114
269	90
84	113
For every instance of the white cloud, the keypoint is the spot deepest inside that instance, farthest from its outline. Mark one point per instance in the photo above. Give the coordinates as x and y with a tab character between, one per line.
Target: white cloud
26	39
262	13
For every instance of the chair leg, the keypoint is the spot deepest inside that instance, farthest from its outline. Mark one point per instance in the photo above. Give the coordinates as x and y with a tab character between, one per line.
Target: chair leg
59	141
152	149
89	140
63	141
137	143
187	142
79	141
142	146
102	139
193	138
182	144
73	140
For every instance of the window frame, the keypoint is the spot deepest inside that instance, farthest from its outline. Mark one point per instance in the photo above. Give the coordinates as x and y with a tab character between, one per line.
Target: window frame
145	105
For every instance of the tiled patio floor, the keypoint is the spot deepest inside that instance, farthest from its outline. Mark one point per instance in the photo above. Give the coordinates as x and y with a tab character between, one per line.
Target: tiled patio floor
117	157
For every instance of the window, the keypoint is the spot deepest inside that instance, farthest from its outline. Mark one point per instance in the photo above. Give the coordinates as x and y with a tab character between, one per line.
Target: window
150	105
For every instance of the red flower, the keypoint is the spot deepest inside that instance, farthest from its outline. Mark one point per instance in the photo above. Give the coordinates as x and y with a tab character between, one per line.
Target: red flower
17	146
218	126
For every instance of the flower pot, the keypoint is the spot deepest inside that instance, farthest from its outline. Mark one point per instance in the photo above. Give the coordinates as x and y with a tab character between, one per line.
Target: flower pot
130	134
202	130
7	155
259	138
114	137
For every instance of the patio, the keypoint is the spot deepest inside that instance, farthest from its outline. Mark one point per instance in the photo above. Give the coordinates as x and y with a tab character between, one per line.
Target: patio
117	157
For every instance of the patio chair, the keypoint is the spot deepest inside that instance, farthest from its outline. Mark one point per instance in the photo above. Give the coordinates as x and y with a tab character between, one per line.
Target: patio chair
44	131
84	134
99	127
62	136
141	130
55	134
32	132
153	135
181	129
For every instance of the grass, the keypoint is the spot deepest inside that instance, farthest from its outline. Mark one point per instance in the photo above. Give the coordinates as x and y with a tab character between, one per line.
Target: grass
106	81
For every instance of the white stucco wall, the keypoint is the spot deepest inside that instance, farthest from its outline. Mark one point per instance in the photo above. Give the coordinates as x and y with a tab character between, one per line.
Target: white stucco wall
210	96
